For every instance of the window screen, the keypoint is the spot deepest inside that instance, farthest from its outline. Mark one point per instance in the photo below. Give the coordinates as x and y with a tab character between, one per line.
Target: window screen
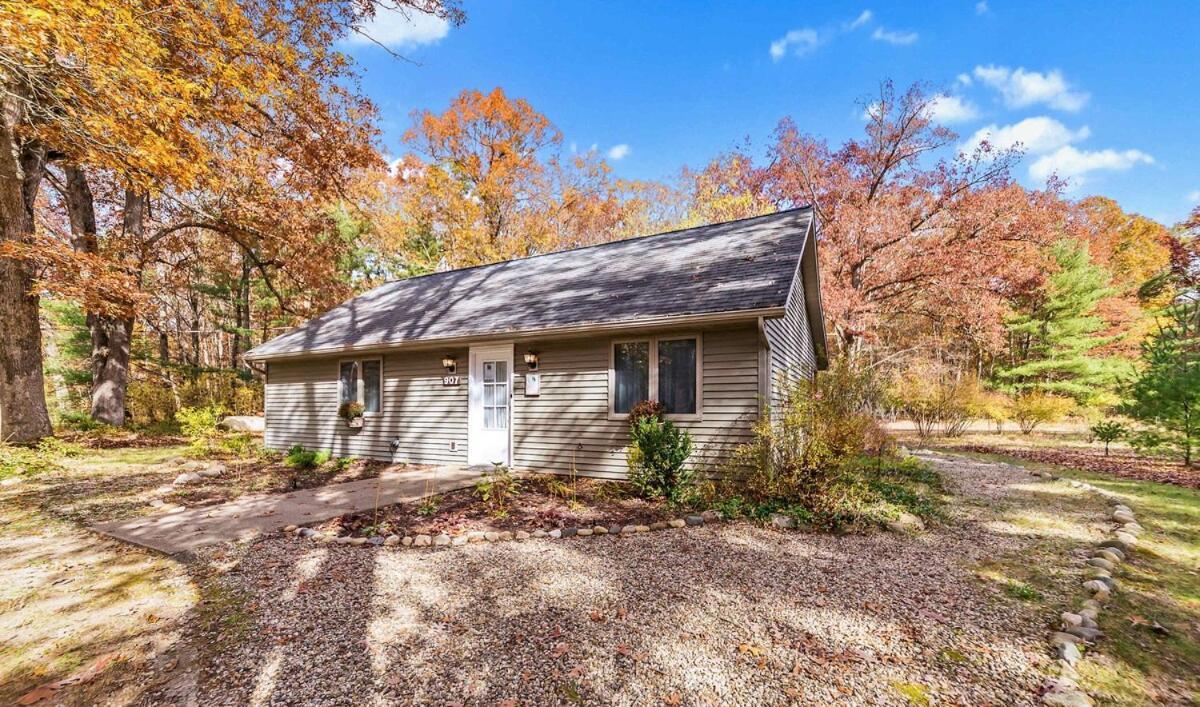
631	367
372	378
677	376
348	382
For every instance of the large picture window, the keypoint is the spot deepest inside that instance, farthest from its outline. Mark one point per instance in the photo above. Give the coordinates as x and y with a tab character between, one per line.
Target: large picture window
362	382
665	369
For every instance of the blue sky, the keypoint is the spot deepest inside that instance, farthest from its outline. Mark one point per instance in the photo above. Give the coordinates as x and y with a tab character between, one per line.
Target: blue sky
1105	94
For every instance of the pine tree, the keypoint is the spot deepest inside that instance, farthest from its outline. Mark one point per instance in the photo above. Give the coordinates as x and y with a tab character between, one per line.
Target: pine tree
1166	394
1054	337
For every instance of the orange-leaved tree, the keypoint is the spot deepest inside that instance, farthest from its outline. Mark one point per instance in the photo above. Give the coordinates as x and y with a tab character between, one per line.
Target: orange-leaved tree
178	104
487	180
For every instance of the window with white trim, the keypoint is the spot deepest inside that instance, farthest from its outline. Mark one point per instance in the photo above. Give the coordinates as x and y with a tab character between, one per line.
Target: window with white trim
666	369
361	381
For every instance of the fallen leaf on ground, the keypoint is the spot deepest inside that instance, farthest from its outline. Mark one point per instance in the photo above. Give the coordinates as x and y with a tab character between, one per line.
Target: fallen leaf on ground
36	695
560	650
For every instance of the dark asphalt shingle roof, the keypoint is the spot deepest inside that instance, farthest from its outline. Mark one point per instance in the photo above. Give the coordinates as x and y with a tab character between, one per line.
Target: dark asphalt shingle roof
739	265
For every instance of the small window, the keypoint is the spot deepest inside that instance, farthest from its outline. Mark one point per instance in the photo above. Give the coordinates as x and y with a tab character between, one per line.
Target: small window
666	370
348	382
631	368
372	375
677	376
361	382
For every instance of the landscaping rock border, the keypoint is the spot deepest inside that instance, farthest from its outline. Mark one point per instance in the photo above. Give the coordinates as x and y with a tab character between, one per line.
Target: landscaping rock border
492	536
1079	626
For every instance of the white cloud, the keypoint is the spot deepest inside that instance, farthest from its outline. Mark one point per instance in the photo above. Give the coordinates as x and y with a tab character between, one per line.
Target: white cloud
1072	164
964	80
617	152
981	7
897	38
949	110
1194	196
1020	88
395	28
863	18
1036	136
800	41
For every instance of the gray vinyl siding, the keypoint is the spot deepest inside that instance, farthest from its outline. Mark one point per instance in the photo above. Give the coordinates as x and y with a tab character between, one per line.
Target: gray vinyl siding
568	425
790	344
301	408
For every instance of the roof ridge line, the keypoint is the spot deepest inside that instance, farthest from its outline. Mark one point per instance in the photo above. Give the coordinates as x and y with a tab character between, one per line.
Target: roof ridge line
593	245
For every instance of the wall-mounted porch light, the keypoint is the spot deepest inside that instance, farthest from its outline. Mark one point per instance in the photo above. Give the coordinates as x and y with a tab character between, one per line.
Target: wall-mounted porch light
531	360
449	363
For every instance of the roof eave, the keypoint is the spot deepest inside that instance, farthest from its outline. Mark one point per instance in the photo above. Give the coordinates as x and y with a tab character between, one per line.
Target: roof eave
566	331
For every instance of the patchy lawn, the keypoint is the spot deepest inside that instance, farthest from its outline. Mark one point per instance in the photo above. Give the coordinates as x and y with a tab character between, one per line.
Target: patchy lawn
1137	663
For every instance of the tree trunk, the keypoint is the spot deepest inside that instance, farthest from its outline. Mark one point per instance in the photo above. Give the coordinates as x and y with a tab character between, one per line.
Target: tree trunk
110	367
241	316
23	415
110	335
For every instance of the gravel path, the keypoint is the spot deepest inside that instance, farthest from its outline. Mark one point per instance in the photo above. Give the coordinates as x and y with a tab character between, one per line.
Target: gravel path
726	614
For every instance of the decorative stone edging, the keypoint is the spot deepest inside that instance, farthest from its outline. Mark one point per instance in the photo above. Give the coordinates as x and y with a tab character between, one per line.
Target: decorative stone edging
475	536
1079	626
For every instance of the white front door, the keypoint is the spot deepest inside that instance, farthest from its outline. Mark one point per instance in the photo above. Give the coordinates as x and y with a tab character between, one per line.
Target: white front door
490	413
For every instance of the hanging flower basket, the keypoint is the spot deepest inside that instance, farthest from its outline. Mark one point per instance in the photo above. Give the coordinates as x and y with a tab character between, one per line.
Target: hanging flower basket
352	413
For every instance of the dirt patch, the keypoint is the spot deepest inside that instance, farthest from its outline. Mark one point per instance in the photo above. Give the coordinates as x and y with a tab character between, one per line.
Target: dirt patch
1120	464
544	502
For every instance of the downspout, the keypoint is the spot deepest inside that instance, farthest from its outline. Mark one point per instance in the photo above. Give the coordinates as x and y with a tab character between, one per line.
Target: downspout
764	363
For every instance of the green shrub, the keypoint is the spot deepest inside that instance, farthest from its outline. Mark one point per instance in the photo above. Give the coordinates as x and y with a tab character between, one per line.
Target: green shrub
79	421
302	459
496	488
199	425
41	458
1035	408
240	444
658	451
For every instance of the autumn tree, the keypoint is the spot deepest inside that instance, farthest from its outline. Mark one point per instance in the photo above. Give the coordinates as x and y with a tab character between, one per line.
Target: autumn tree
182	103
487	180
909	236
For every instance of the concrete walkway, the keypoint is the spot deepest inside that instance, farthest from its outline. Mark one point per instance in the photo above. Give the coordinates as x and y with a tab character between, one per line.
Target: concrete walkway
250	516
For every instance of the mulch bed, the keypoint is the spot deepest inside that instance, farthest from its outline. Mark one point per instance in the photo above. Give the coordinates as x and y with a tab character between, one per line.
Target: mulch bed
1120	464
545	502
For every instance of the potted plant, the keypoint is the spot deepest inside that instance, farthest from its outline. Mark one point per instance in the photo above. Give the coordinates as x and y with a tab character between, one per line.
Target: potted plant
352	413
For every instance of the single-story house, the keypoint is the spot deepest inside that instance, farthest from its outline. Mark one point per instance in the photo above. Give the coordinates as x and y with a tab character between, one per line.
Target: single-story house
535	362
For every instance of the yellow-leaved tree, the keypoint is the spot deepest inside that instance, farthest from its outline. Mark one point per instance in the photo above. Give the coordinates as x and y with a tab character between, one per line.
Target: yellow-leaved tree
220	113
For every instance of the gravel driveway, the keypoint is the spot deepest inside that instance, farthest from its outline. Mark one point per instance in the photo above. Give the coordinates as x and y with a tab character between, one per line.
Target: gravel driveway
727	614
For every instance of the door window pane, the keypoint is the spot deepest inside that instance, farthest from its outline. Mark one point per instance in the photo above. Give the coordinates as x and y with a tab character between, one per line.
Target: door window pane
348	382
489	371
372	376
631	367
677	375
